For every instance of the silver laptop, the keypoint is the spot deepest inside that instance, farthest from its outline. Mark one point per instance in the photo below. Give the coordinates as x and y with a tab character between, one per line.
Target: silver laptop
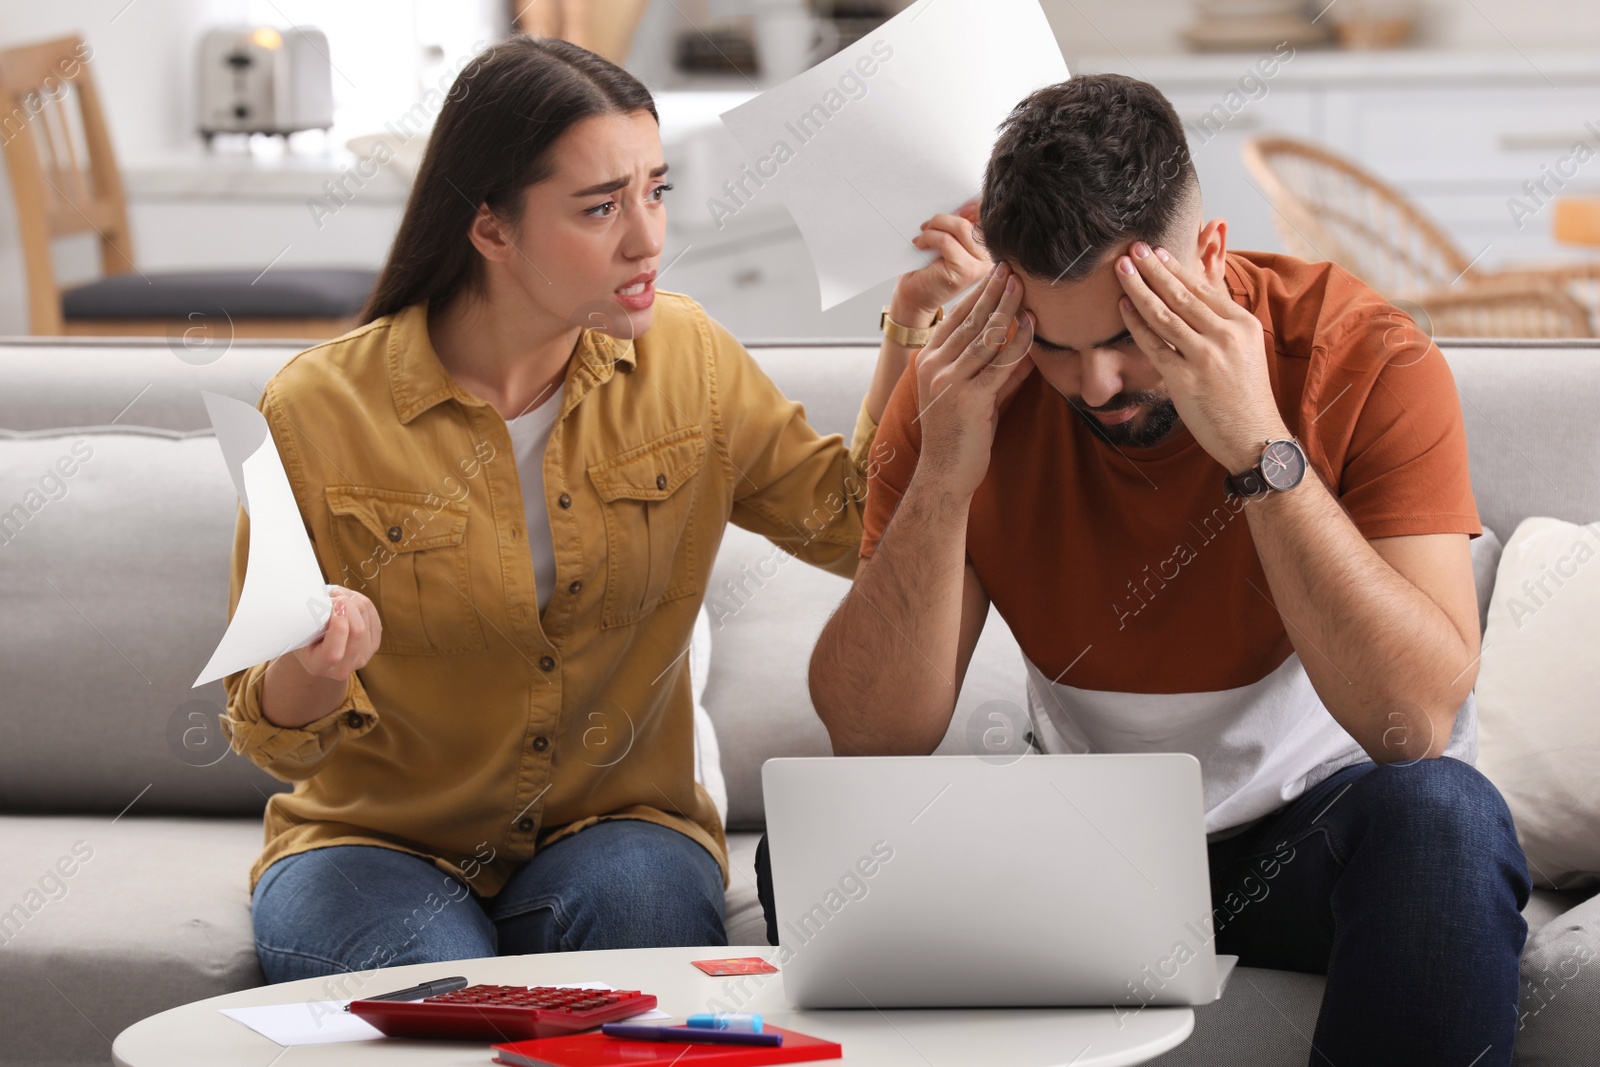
982	881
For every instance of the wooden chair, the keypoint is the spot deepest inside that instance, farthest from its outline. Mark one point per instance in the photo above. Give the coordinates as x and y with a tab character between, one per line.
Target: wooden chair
1329	208
1491	309
65	182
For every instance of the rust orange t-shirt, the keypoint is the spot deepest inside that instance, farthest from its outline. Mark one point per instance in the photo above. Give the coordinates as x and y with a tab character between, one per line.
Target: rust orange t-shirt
1132	584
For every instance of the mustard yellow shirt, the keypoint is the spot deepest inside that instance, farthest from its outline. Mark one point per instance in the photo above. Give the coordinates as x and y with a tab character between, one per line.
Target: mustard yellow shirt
481	731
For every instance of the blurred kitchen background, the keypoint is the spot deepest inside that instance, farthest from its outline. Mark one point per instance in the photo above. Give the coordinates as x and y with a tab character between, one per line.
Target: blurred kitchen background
1435	145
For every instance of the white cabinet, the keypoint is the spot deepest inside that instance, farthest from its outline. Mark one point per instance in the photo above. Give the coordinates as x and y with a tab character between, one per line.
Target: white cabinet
1482	161
1461	134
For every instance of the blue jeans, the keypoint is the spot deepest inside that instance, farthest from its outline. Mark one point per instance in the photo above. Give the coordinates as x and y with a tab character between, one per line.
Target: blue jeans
348	909
1404	884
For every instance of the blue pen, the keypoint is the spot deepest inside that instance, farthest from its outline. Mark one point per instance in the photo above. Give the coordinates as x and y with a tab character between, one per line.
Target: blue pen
727	1020
695	1035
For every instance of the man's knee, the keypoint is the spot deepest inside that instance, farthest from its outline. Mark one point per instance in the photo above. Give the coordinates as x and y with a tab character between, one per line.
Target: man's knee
1444	807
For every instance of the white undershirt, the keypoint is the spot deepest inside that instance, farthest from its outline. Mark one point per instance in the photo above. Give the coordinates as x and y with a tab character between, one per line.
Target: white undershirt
530	433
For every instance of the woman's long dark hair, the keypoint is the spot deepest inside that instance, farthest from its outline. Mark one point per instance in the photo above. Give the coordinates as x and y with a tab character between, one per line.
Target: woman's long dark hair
491	141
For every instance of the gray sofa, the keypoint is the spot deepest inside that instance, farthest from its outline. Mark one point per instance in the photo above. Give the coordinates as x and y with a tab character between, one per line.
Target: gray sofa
128	829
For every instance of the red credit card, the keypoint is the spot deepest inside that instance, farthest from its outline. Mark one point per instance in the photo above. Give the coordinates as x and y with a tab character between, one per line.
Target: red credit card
735	965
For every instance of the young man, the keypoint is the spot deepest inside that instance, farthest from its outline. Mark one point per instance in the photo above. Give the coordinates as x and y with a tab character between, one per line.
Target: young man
1222	501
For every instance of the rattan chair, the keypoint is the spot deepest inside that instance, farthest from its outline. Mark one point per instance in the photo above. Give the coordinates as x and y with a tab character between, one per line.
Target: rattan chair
65	182
1327	208
1491	309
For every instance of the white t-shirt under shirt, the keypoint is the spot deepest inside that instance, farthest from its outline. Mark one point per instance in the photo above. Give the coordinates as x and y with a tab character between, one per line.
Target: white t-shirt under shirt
530	433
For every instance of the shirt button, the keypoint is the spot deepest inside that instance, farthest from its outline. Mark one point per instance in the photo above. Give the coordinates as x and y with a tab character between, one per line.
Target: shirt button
547	663
526	825
576	587
661	481
541	743
564	500
352	719
394	533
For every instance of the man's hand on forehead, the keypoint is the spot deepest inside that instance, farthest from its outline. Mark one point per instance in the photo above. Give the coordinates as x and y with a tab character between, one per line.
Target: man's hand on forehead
1211	354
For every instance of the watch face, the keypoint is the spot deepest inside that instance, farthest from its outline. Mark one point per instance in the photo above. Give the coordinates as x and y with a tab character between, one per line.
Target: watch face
1283	464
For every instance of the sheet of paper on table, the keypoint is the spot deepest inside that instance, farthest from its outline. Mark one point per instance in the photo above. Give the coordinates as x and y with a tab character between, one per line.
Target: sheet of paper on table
325	1022
872	142
284	603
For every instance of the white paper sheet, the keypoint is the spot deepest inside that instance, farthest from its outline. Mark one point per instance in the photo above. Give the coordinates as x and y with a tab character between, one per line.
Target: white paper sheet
862	159
315	1022
325	1022
284	603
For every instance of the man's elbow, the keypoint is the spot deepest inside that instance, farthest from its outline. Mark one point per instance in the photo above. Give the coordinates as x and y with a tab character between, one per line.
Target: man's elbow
828	693
821	695
1410	731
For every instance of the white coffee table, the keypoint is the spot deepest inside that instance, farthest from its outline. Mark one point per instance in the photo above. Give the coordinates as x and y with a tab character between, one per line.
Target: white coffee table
198	1035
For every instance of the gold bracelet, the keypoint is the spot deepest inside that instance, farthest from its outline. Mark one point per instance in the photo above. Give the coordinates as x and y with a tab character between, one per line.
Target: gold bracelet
909	336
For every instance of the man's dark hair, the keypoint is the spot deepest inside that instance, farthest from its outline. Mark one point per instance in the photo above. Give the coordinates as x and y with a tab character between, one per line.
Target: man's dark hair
1080	169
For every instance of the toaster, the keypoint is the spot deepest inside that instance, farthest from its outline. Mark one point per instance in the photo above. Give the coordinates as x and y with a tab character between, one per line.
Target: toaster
260	80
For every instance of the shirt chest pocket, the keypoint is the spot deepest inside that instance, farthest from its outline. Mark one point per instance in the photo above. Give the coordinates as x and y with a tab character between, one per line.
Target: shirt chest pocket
647	496
407	553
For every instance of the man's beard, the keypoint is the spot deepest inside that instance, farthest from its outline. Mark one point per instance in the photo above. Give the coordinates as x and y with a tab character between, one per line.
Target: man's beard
1159	421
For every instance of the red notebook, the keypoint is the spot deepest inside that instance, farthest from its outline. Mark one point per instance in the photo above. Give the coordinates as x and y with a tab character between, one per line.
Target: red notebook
598	1050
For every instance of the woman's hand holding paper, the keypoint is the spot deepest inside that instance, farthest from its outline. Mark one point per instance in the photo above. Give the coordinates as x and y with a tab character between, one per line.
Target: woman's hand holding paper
962	263
349	642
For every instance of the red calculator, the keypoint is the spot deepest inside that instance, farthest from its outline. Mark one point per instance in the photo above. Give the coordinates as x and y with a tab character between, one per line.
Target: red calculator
503	1012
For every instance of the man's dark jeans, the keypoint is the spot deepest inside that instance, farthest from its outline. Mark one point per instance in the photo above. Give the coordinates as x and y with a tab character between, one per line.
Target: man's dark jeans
1404	884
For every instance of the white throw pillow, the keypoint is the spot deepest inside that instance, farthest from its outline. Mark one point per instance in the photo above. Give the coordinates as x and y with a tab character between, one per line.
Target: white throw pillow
707	754
1539	697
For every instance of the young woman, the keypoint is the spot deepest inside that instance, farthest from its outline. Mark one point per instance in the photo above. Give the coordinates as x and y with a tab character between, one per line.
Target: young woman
519	472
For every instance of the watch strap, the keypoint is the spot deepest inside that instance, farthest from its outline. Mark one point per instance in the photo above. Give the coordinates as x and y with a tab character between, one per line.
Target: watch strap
1248	484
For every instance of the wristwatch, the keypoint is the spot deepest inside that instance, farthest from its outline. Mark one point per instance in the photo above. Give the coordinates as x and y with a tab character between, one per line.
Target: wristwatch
909	336
1283	464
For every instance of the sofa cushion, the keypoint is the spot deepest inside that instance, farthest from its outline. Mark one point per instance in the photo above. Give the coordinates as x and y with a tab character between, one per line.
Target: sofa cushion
1538	689
1531	434
114	550
767	609
1560	1000
51	383
155	913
